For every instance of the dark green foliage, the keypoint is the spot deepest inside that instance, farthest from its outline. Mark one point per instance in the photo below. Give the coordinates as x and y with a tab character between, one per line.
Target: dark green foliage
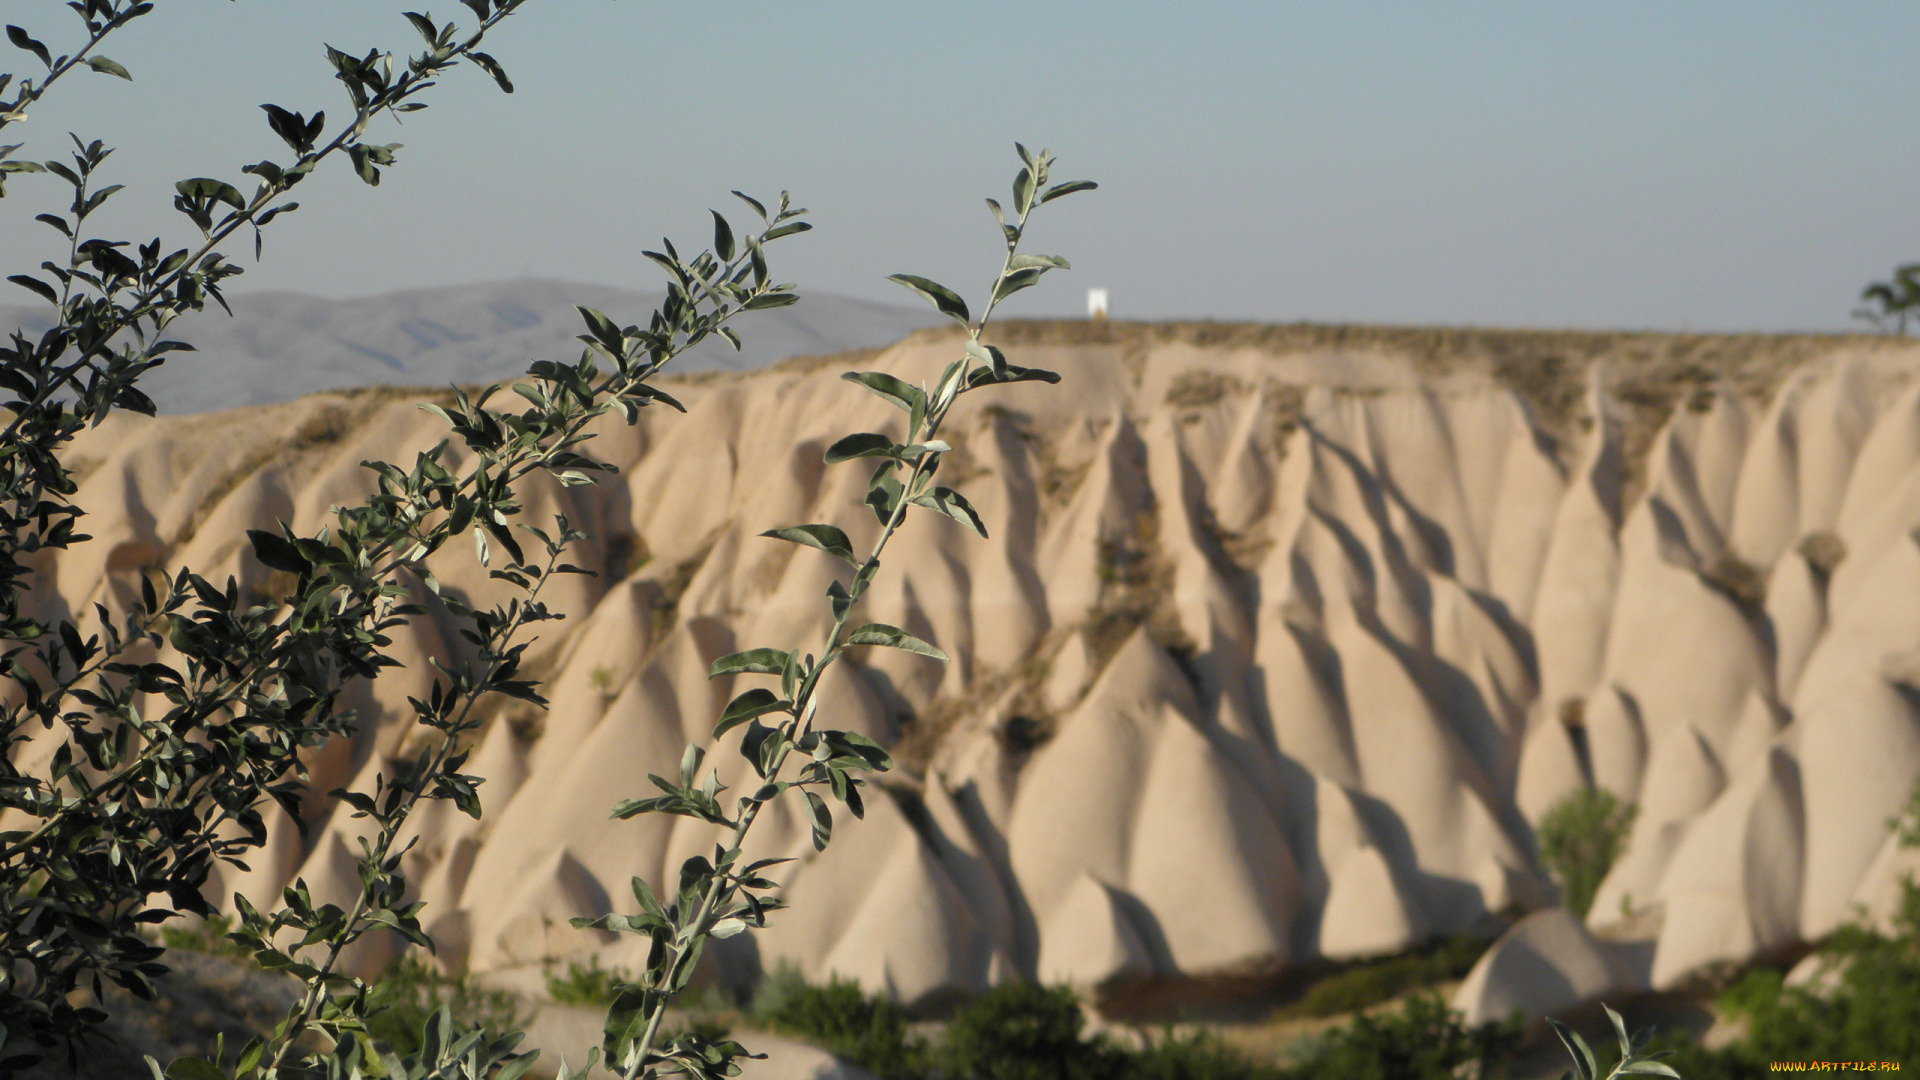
1697	1063
1199	1056
1024	1032
1424	1040
872	1032
1374	981
208	935
400	1003
1579	839
588	984
1872	1014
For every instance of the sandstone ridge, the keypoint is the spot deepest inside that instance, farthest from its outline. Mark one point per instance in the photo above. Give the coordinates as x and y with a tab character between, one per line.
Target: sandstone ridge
1284	636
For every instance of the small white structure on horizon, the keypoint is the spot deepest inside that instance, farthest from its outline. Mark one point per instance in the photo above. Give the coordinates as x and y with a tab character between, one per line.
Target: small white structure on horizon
1096	303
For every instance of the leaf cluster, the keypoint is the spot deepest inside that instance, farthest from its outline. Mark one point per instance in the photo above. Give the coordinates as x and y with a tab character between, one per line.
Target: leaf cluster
871	1031
1637	1058
100	18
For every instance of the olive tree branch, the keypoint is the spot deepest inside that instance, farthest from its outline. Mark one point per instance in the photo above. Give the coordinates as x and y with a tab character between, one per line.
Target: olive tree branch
516	465
371	98
98	28
679	930
420	783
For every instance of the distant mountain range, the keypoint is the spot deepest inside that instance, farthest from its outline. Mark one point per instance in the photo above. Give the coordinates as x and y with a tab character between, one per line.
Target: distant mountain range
280	345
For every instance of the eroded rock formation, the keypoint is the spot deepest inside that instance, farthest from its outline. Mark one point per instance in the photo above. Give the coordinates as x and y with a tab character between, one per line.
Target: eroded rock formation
1283	638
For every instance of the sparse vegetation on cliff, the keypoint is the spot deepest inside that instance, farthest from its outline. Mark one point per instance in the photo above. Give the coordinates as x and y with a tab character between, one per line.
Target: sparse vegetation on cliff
1739	581
1580	837
1824	551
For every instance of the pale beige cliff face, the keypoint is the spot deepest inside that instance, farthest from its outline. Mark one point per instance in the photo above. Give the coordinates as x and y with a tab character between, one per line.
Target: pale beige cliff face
1272	655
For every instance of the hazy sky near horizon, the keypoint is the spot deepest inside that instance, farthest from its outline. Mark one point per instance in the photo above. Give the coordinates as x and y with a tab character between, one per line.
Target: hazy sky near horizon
1637	164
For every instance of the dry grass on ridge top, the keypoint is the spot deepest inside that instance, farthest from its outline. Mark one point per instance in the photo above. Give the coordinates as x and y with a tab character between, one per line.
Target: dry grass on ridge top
1648	371
1647	374
1546	367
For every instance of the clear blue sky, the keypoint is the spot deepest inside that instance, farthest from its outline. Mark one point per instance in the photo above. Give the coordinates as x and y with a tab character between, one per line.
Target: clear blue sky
1741	166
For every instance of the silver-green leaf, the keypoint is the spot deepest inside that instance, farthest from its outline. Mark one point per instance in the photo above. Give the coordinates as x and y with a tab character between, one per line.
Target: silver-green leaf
893	638
757	661
1583	1062
105	66
825	537
896	391
756	702
820	818
859	445
1067	188
947	501
1038	262
938	295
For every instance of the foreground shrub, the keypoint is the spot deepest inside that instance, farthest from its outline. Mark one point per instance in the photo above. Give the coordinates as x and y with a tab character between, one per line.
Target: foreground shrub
783	736
179	713
1024	1032
182	715
412	991
1423	1040
871	1031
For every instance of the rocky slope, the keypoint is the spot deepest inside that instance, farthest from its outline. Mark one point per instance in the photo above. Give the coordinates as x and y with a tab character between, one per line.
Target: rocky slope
1284	636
